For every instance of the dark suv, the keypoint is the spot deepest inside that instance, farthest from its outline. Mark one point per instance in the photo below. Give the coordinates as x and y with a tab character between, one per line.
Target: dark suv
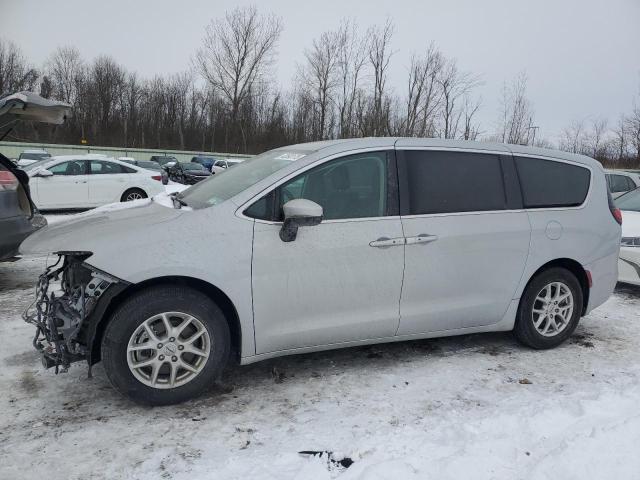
19	216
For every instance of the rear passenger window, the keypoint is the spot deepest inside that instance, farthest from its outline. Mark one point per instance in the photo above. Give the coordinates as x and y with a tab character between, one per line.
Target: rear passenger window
446	182
547	183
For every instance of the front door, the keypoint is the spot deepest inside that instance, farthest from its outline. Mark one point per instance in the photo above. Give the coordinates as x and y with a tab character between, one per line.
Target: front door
66	188
338	281
467	239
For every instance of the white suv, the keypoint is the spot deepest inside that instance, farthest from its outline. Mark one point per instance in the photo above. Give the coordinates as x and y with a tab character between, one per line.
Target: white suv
328	245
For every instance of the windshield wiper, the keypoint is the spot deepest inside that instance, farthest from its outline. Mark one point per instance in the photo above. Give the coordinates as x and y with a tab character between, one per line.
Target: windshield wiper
177	199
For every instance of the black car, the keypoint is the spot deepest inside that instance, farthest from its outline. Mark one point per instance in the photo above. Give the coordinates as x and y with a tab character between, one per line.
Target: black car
187	173
204	160
162	160
19	216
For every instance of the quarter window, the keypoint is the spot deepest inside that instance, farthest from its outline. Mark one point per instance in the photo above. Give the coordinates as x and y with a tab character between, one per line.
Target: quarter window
448	181
547	183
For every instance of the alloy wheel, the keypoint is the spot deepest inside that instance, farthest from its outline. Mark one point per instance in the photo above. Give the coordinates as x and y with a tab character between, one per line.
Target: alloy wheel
552	309
168	350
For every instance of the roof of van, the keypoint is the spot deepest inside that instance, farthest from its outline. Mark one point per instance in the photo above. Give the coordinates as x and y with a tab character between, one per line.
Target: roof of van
399	142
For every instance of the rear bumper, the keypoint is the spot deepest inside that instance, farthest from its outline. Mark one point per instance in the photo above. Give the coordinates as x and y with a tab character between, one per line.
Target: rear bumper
604	273
14	230
629	265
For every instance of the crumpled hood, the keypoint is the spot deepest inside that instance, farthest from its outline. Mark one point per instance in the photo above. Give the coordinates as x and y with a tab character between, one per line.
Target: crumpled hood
104	228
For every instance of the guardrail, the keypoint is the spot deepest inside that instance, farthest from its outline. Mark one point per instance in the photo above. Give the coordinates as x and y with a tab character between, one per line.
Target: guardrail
13	150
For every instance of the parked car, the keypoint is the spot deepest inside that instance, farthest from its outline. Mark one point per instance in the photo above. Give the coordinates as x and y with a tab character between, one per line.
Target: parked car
327	245
28	157
19	216
187	173
85	181
205	161
629	263
621	182
221	165
162	160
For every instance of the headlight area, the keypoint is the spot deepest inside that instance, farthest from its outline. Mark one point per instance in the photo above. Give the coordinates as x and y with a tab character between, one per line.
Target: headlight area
66	295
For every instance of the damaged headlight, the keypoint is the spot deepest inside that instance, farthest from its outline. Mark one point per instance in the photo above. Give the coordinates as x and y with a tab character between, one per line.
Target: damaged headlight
66	294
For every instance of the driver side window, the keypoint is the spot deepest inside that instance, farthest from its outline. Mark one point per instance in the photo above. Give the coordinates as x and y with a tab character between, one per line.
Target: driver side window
354	186
76	167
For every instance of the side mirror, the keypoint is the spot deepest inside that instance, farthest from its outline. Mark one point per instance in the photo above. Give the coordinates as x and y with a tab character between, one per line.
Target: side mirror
43	173
299	213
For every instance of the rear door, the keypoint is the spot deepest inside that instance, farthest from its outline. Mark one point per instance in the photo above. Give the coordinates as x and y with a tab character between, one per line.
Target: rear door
467	238
66	188
107	181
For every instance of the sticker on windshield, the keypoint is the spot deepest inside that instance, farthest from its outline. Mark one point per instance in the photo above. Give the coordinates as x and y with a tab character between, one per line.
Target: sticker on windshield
292	157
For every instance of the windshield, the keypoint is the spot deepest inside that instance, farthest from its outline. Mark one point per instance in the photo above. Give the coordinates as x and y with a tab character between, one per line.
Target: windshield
218	188
34	156
629	201
35	165
193	166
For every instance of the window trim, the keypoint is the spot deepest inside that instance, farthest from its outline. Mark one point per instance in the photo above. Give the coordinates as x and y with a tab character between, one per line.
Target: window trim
393	170
559	160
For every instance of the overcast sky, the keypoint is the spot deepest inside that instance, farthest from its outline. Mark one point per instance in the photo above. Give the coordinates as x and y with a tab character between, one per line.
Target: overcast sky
582	57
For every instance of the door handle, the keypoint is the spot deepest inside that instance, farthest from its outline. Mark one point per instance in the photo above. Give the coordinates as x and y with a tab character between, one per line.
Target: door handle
387	242
422	238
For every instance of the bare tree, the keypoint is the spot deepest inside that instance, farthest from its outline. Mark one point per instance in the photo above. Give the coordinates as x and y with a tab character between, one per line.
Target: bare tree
64	67
352	51
424	95
620	138
236	52
320	77
632	125
572	138
517	113
379	57
15	73
455	86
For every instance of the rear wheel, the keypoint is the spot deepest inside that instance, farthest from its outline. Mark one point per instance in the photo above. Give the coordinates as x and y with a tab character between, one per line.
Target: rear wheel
550	309
133	194
165	345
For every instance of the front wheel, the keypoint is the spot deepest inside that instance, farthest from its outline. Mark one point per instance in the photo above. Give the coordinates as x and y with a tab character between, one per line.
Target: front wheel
549	310
165	345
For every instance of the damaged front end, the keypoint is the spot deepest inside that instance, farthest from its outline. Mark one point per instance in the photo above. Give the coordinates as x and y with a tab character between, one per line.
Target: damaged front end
71	297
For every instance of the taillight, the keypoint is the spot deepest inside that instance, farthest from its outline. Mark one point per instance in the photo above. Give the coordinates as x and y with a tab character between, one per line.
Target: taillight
615	211
157	177
617	214
8	180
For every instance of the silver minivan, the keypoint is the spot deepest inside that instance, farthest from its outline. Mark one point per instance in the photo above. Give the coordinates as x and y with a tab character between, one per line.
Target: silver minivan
327	245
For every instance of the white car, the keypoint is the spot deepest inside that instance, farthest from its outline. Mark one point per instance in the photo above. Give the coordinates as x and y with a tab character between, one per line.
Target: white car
327	245
85	181
29	157
621	181
221	165
629	263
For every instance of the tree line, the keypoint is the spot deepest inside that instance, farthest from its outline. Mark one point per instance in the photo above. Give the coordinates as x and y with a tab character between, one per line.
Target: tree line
229	101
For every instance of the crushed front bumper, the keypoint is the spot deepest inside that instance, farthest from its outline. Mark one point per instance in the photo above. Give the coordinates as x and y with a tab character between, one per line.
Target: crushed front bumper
70	301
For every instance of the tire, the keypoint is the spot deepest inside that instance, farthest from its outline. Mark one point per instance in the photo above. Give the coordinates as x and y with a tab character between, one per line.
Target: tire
133	194
525	327
127	325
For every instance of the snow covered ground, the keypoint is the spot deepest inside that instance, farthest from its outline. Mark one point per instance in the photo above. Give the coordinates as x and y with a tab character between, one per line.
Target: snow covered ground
467	407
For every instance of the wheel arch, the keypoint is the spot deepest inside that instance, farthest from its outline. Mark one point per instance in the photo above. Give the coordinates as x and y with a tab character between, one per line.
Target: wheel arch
574	267
221	299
